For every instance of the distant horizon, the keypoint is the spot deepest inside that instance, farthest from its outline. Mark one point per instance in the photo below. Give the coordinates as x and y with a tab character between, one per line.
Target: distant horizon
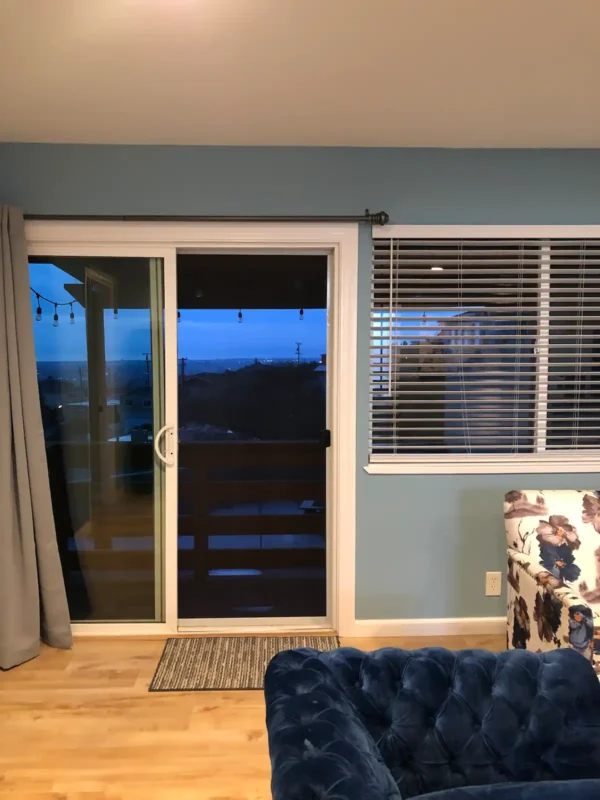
203	334
314	357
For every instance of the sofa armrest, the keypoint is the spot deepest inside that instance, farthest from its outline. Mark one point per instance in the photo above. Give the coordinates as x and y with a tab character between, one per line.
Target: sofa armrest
318	745
567	595
535	618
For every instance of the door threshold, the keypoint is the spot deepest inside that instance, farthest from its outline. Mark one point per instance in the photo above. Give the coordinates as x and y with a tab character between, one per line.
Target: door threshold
234	632
250	626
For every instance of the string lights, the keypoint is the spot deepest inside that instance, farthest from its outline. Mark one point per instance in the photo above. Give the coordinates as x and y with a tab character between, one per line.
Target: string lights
55	319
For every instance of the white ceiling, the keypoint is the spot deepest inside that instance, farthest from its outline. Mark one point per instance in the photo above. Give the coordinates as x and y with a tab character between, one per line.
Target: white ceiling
450	73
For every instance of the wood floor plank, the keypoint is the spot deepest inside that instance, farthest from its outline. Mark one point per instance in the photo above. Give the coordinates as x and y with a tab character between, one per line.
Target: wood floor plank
81	725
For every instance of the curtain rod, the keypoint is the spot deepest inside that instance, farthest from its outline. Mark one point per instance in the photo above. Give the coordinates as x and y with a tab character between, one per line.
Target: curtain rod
376	218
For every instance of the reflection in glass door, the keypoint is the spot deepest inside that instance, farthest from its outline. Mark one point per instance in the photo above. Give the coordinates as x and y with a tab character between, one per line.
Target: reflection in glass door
252	343
100	361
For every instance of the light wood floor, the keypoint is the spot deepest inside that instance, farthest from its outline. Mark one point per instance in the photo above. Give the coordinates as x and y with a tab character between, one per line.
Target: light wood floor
81	725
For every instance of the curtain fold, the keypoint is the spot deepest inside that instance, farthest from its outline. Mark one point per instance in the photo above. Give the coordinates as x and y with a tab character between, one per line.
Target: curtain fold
33	602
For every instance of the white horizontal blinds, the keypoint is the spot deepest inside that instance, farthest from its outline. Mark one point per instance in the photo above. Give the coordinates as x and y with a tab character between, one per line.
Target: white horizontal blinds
573	418
453	346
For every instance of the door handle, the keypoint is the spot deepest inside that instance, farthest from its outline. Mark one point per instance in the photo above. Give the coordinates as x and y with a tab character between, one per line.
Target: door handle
157	438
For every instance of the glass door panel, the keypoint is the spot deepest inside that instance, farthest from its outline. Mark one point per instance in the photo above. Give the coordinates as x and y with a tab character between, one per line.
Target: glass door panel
252	410
98	333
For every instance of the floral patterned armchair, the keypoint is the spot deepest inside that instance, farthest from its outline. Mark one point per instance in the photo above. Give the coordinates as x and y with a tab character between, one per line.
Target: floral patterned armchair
554	571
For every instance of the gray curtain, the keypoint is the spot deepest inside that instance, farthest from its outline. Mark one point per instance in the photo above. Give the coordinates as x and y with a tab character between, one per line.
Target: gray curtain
33	601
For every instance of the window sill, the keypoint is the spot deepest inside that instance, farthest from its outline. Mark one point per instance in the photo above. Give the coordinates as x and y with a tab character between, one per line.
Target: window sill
558	462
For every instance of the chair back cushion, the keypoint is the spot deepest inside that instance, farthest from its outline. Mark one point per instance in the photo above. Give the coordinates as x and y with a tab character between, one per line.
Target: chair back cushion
559	529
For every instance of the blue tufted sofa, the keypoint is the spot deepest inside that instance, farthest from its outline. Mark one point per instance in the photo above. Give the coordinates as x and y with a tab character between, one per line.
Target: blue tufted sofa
468	725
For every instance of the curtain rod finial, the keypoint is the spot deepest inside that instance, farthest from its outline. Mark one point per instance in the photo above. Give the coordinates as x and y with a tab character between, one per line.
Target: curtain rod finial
378	217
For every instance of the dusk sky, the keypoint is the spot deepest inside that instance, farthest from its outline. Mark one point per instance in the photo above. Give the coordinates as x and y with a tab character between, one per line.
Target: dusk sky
213	333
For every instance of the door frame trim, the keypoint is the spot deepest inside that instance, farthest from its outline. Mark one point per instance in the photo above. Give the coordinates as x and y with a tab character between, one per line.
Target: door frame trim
164	240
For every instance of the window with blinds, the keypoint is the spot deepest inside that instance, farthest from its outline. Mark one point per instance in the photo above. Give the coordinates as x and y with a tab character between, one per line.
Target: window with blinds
484	346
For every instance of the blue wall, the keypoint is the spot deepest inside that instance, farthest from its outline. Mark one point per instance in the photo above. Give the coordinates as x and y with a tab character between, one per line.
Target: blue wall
423	543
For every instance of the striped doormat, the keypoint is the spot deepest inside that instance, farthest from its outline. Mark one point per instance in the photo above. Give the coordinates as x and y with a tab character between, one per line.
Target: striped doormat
196	664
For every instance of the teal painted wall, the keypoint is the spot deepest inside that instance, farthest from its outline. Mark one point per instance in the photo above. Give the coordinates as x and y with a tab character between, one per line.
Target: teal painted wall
423	542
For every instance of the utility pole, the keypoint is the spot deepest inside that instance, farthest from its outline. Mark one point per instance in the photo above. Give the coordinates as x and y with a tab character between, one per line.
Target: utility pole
183	360
298	346
147	355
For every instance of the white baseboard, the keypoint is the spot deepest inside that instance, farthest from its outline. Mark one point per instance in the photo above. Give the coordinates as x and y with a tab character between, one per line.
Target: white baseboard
451	626
357	628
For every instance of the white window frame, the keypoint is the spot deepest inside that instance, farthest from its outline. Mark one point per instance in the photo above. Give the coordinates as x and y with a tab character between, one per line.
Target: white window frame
541	461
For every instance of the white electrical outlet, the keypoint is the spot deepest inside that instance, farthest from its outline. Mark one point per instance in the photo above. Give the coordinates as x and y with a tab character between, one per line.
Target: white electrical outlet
493	584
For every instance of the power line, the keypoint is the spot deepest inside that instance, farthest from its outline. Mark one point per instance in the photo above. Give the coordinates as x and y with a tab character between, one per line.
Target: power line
147	357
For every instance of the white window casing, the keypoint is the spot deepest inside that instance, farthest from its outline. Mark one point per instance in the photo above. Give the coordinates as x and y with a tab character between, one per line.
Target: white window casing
485	349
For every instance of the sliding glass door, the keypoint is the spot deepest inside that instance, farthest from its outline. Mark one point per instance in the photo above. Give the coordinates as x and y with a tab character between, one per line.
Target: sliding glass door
184	405
98	328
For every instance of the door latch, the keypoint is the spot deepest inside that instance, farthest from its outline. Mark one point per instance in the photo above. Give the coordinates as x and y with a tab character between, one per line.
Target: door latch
325	438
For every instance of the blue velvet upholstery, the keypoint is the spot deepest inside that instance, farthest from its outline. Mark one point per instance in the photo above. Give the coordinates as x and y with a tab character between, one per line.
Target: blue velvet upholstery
398	724
545	790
